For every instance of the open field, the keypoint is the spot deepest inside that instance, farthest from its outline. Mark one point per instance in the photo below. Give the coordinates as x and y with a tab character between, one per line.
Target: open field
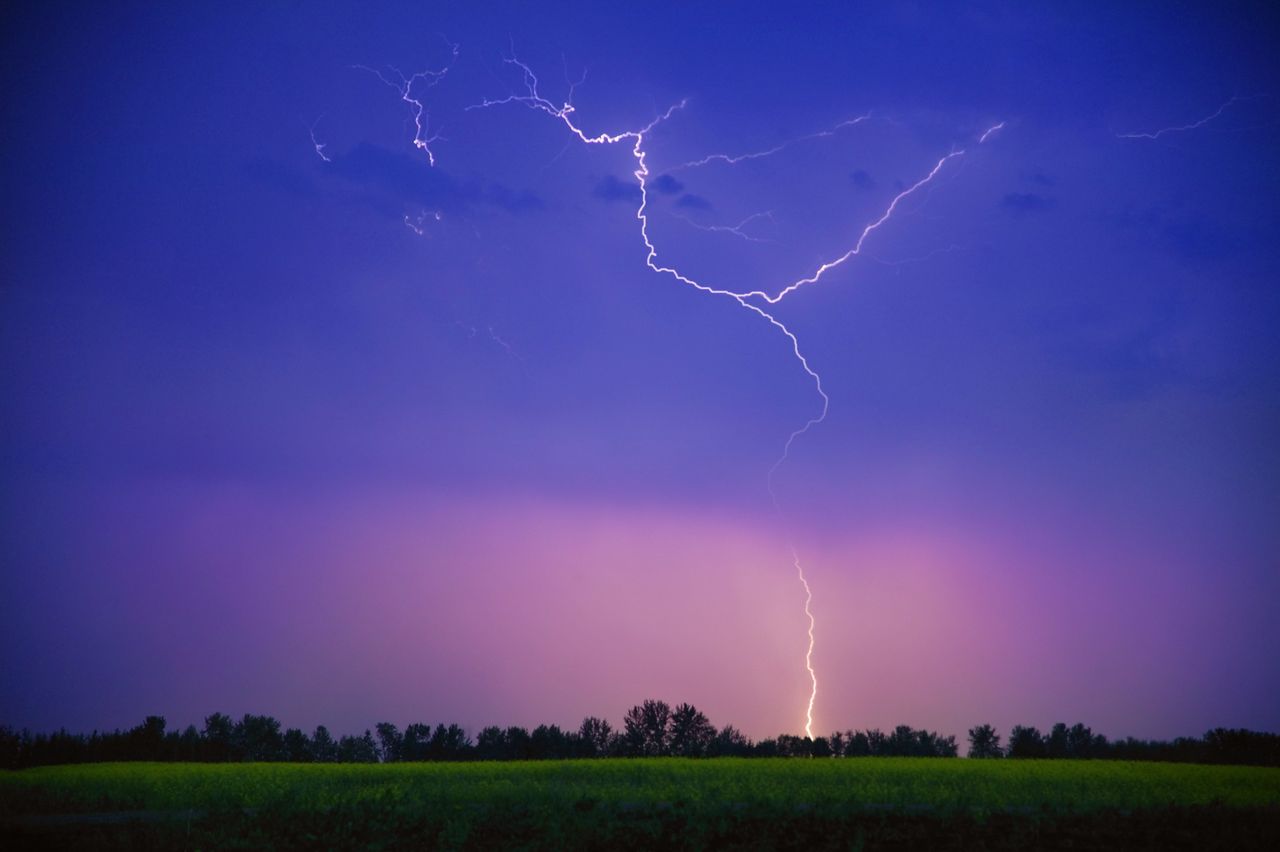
876	802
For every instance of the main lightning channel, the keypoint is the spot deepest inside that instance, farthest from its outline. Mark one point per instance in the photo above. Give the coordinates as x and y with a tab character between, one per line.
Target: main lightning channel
564	113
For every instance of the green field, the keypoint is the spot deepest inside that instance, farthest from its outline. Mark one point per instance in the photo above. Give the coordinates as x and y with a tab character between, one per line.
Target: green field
666	803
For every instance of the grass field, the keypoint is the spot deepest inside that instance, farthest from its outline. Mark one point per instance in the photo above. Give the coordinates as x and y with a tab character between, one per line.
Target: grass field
671	803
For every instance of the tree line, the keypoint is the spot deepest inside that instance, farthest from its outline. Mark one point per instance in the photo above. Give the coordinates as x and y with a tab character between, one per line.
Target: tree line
1220	745
649	729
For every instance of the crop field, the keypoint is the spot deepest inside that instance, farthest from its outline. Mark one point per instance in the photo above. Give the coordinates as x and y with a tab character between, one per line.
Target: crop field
665	803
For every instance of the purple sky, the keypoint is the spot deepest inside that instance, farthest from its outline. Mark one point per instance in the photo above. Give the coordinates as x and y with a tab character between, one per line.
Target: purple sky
265	448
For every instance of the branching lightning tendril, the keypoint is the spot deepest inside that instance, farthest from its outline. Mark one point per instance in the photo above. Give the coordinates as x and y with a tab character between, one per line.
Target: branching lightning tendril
736	230
404	86
564	113
316	143
768	152
1182	128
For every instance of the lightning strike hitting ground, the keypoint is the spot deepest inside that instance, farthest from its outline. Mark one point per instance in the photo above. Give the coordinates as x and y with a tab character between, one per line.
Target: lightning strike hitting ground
564	113
417	110
1183	128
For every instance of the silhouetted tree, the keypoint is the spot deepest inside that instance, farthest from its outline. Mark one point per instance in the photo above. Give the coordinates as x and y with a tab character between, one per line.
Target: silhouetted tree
491	743
729	742
1080	741
415	742
595	737
1025	741
190	746
1055	743
448	743
358	749
902	742
390	742
145	742
766	748
651	728
218	730
323	748
984	742
10	747
517	743
690	731
297	748
548	742
647	728
258	738
1233	745
857	744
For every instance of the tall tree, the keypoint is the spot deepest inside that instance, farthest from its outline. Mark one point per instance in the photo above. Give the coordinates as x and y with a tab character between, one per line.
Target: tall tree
323	748
258	738
1026	741
218	730
1080	741
390	742
595	736
491	743
984	742
690	731
729	742
297	748
414	745
648	731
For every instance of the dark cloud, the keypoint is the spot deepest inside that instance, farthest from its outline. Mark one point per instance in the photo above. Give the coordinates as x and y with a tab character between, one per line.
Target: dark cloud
1135	359
391	175
1199	238
861	180
512	200
1021	203
611	189
1191	237
1038	177
693	202
667	185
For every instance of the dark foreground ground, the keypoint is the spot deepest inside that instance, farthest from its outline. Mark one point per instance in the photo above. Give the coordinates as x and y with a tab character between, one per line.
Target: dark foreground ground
872	803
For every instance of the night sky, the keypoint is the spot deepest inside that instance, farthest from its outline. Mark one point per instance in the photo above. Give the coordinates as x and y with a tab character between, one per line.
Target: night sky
336	435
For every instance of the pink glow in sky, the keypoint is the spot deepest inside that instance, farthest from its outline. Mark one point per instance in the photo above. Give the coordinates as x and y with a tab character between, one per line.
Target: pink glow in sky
522	611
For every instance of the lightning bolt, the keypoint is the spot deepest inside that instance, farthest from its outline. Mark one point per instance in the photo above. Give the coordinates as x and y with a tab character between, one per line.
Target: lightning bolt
985	136
316	143
564	113
1182	128
736	230
769	152
404	86
808	654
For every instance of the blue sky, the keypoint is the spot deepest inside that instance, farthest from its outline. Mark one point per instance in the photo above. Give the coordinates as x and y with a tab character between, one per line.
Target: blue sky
1054	370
